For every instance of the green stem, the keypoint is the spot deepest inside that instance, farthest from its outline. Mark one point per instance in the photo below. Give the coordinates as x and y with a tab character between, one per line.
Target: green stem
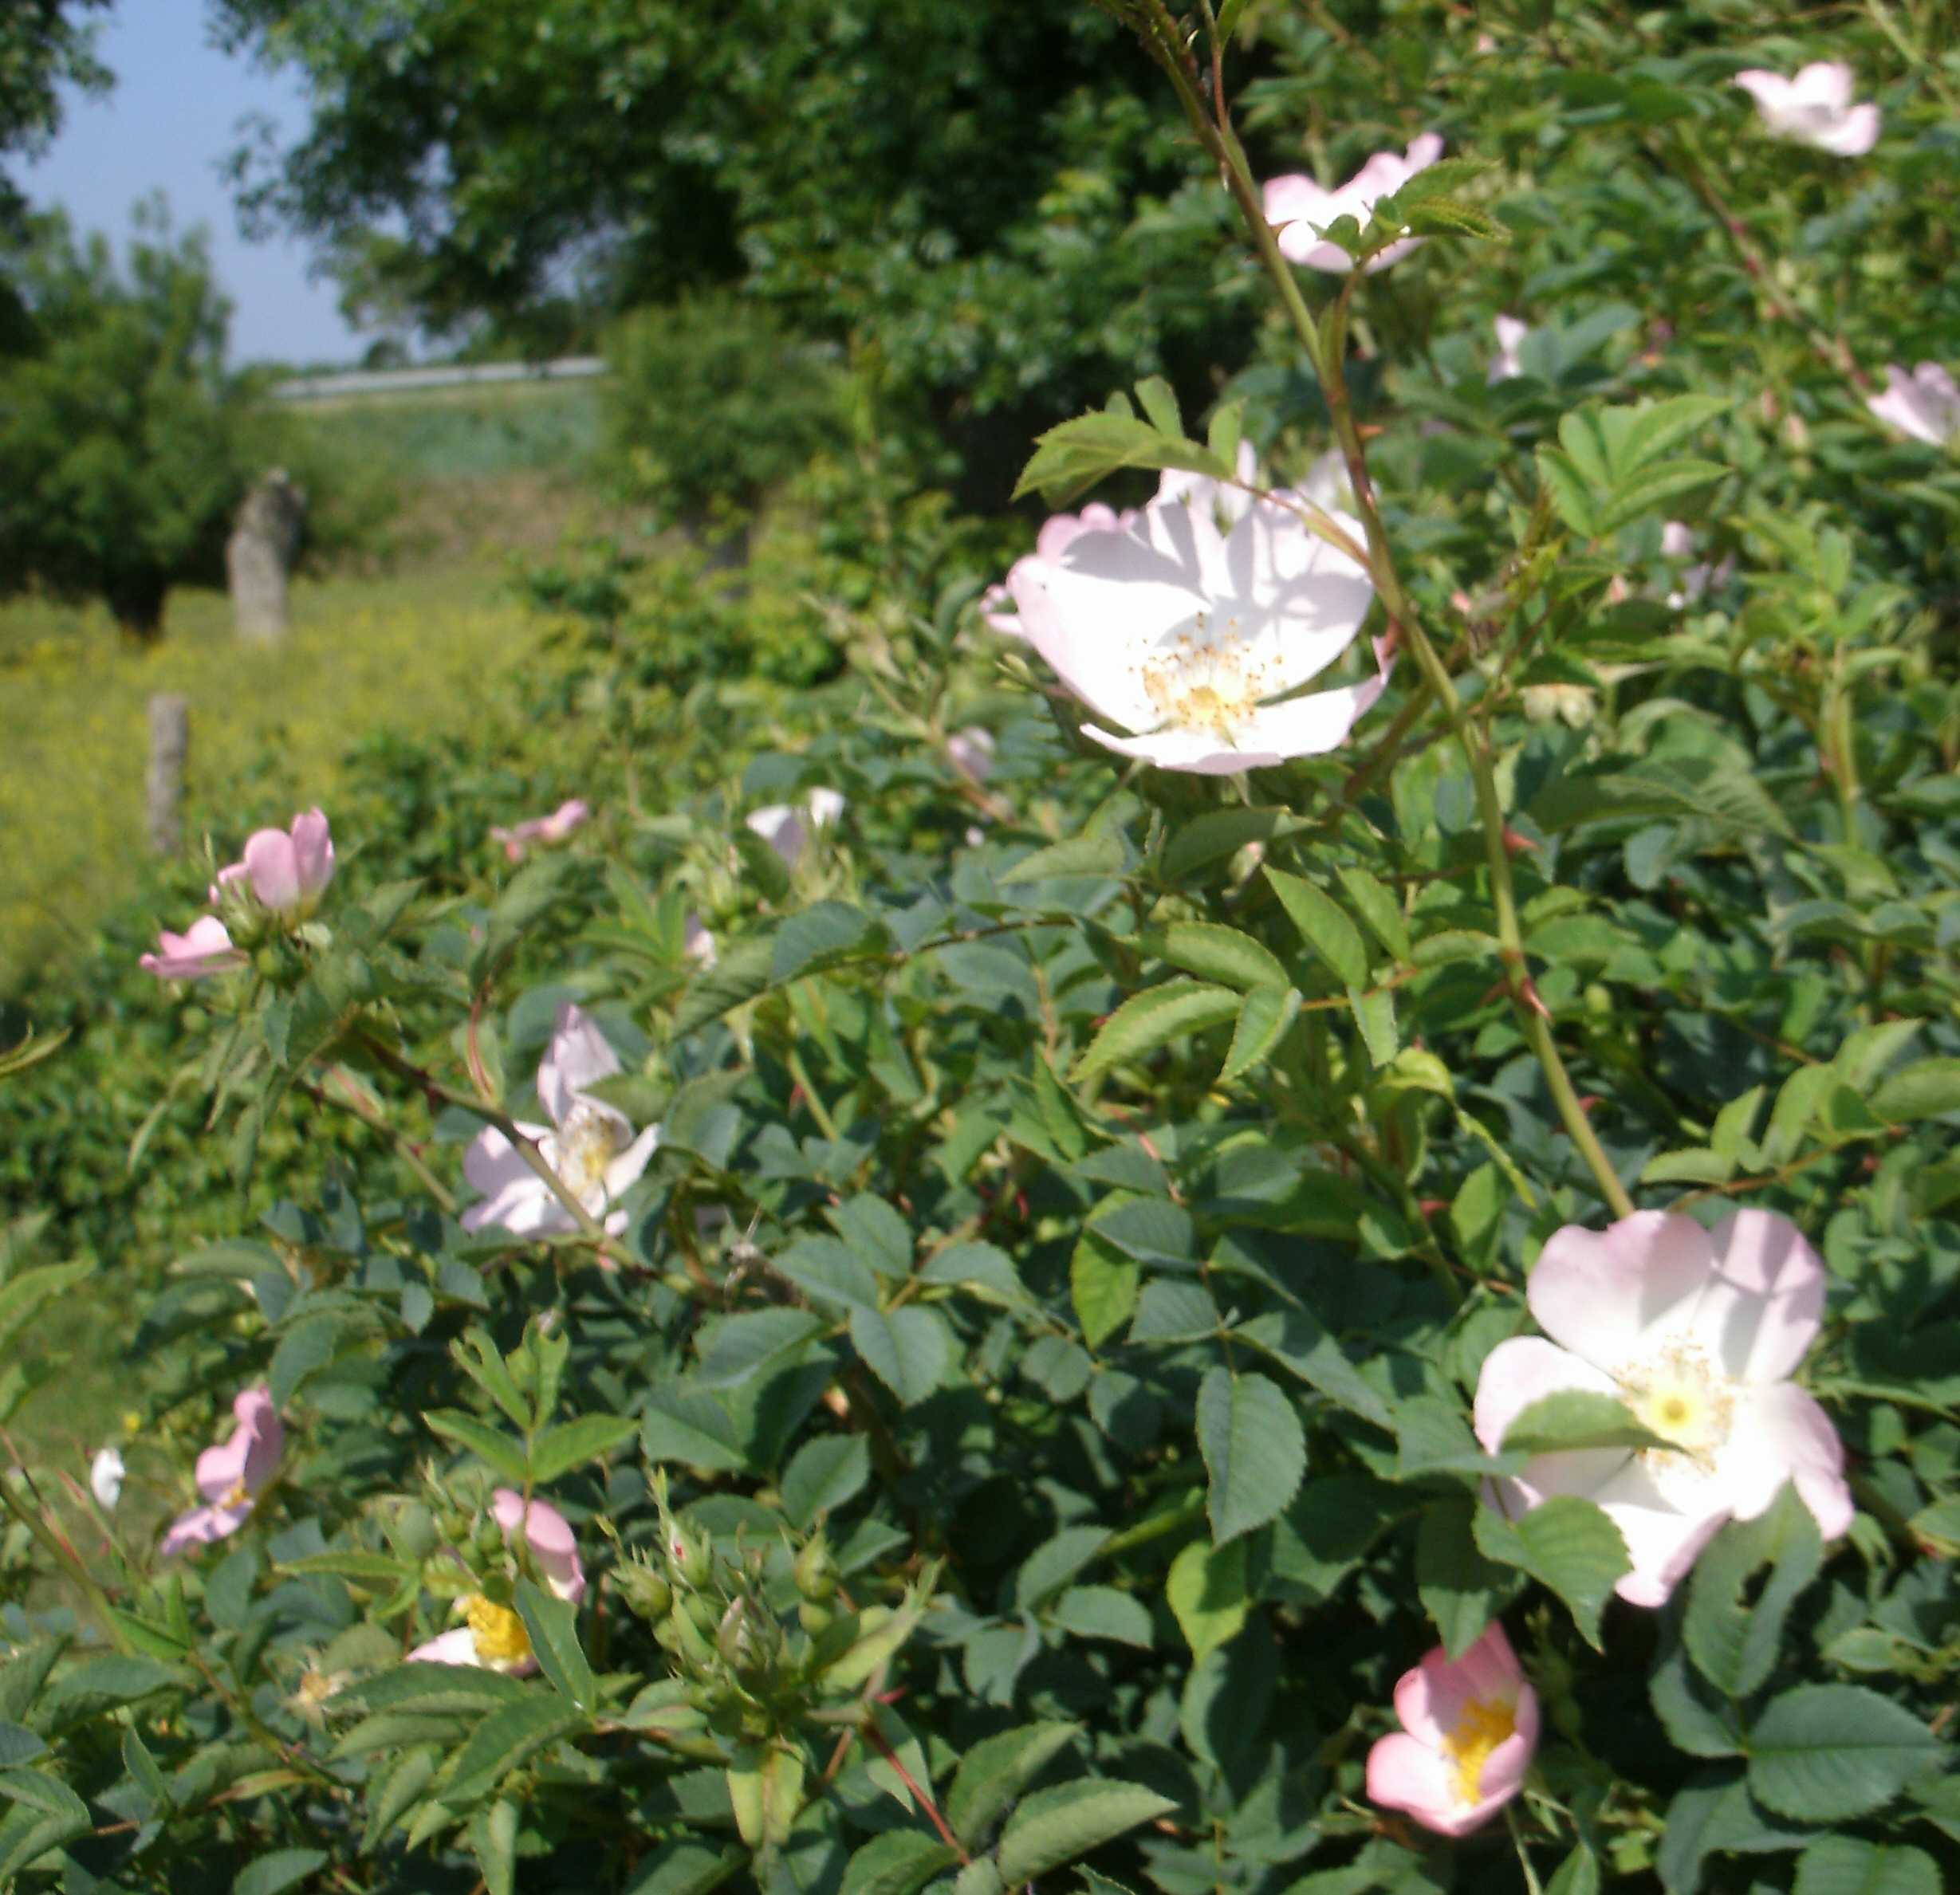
1328	353
69	1562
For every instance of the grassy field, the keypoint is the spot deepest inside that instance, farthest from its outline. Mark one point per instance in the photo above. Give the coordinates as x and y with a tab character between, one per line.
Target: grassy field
407	643
409	653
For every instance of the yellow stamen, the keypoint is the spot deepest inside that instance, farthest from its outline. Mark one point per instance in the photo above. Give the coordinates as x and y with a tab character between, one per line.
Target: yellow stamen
1480	1728
496	1631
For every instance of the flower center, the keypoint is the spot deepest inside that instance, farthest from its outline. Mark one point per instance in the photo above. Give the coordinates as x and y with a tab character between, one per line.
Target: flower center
1208	679
588	1141
1480	1728
237	1495
1682	1395
496	1631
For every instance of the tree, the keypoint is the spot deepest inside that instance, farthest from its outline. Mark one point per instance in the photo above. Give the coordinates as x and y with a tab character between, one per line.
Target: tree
954	184
124	447
43	44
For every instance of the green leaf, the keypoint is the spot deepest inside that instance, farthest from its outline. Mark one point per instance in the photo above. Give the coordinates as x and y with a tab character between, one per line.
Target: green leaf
1071	458
1461	1590
828	1470
987	1272
493	1837
1923	1090
30	1831
1827	1753
1219	954
23	1297
907	1349
1843	1866
1378	907
1100	854
742	1346
1298	1343
279	1869
1102	1286
1324	926
364	1569
1578	1874
553	1623
1263	1021
995	1771
1567	1544
1254	1450
741	971
1732	1636
899	1862
1205	1591
1697	1167
1105	1612
821	937
572	1444
1375	1014
1160	403
1452	217
685	1867
1054	1827
1154	1018
1578	1418
688	1424
509	1737
501	1453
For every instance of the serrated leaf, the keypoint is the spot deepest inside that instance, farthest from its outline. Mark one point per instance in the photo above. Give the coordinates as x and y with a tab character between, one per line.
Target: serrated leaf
1827	1753
1732	1636
1103	1612
1054	1827
685	1867
1923	1090
1255	1449
1080	855
995	1771
1844	1866
744	1346
1102	1287
501	1453
1071	458
276	1870
1377	906
572	1444
821	937
1566	1544
509	1737
1205	1591
1461	1589
1575	1418
1220	954
907	1349
1324	926
1154	1018
899	1862
1264	1020
828	1470
553	1625
742	970
1375	1014
689	1425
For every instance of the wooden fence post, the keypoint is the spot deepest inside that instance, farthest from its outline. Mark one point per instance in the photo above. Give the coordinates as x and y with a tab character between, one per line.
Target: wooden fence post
169	742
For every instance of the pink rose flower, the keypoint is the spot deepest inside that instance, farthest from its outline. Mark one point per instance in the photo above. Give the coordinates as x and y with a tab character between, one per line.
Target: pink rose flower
1698	1332
554	827
289	869
1469	1729
696	942
589	1144
1814	108
550	1538
1925	404
231	1477
1296	207
205	949
1181	628
784	828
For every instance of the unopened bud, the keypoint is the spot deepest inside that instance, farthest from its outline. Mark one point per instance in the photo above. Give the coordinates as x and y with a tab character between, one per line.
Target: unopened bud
816	1619
745	1641
689	1560
815	1572
645	1591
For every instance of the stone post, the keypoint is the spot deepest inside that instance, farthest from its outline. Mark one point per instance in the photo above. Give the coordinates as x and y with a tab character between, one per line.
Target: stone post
169	742
259	555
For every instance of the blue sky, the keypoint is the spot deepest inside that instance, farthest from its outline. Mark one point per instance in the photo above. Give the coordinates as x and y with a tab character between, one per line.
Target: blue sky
173	115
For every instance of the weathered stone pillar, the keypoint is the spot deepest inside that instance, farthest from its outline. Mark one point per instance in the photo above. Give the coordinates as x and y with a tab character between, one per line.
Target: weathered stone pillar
259	555
170	743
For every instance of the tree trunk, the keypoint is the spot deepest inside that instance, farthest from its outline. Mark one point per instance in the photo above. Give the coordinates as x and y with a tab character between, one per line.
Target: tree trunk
137	601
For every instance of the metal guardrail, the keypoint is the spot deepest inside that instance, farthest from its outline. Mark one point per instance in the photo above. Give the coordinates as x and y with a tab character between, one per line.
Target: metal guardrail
409	381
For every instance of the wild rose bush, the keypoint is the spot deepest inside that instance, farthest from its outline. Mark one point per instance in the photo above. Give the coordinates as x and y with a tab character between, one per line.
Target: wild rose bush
1267	1213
